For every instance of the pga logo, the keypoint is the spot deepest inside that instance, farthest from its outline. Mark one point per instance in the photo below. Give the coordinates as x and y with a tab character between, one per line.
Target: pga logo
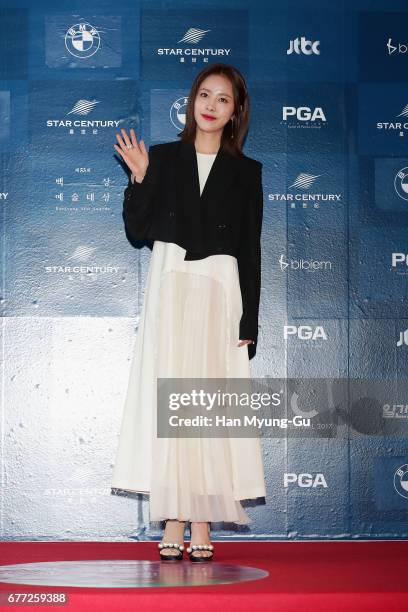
303	113
304	332
306	481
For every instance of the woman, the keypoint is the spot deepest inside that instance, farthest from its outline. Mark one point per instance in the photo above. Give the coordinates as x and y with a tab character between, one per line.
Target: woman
200	309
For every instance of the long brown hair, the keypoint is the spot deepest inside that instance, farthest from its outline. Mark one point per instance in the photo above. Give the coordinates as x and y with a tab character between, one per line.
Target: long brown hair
234	133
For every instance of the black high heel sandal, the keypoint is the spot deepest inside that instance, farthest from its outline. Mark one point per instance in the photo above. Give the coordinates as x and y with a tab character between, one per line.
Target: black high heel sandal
195	547
176	557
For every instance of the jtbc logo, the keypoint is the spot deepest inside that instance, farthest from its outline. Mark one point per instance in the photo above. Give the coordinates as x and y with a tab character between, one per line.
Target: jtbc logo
301	45
403	339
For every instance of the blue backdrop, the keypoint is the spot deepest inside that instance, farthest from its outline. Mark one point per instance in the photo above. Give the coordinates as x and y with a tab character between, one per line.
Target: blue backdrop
329	122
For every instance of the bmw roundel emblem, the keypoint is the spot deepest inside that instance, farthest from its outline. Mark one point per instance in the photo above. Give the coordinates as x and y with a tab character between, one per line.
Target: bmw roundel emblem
401	481
401	183
82	40
178	113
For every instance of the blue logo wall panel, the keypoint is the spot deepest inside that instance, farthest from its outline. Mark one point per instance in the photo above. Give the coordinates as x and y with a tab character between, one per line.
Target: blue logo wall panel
329	121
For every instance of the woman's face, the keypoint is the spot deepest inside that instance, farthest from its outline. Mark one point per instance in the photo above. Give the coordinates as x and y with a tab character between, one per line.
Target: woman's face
214	103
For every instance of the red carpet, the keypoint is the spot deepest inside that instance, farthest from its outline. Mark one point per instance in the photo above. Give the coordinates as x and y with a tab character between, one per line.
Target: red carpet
303	576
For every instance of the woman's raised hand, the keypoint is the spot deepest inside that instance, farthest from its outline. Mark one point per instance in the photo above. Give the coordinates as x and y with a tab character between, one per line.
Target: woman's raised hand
136	157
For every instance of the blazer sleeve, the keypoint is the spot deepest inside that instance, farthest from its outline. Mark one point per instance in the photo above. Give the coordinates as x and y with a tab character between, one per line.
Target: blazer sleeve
249	262
138	200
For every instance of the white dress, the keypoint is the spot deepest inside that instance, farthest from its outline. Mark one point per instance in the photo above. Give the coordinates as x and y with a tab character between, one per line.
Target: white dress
189	328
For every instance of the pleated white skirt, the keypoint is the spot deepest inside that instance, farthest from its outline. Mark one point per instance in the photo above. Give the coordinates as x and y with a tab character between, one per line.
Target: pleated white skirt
189	328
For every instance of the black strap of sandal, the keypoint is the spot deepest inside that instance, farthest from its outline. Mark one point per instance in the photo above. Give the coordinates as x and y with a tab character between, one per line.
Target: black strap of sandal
200	547
196	548
178	555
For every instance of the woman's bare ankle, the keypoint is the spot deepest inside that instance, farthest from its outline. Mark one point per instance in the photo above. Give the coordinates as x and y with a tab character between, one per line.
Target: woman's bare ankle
173	532
200	534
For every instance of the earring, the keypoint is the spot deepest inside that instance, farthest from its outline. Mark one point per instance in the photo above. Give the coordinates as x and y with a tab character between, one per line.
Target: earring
232	127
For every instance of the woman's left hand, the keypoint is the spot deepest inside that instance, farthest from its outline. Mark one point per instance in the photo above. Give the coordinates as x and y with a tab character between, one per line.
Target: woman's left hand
243	342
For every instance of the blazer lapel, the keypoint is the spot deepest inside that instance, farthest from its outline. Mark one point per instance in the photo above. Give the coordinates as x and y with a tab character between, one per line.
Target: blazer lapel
196	207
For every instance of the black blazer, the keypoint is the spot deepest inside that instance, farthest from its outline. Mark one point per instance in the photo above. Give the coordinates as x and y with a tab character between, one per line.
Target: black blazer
225	219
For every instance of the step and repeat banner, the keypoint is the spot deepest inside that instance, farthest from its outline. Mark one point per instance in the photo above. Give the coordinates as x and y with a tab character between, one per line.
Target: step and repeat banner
329	121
